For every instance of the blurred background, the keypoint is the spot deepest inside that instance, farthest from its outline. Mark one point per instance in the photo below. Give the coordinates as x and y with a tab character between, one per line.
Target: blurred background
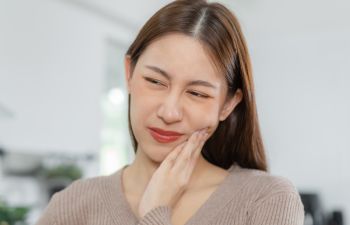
63	109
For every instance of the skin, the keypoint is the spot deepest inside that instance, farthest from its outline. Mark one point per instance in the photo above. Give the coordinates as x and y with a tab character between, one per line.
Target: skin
163	172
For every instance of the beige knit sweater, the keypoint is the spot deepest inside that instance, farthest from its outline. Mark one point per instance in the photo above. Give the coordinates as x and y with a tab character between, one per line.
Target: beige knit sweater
245	197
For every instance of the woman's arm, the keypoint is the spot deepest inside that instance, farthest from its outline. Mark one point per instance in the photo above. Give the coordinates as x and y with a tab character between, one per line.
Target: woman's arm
283	208
49	214
158	216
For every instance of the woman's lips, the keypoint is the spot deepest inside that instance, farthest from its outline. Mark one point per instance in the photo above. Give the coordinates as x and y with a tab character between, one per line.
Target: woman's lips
162	138
165	132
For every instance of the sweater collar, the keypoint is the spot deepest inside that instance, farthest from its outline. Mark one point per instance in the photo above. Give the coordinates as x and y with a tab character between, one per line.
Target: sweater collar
113	196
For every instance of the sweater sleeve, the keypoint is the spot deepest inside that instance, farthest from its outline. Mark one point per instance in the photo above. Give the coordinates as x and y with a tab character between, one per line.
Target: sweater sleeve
48	216
283	208
160	215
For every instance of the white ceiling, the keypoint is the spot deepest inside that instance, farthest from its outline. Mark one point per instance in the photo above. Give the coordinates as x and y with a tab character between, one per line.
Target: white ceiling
130	14
287	16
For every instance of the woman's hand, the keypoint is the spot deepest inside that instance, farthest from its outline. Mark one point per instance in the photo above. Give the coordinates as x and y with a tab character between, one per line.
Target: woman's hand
170	179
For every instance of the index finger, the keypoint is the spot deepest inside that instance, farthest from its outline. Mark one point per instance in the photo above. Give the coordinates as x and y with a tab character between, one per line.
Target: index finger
171	157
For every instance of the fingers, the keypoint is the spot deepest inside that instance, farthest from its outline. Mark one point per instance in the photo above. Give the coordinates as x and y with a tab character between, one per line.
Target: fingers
196	152
185	155
170	159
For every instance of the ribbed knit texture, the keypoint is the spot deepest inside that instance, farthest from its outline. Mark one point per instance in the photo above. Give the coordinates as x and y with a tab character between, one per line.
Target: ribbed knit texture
245	197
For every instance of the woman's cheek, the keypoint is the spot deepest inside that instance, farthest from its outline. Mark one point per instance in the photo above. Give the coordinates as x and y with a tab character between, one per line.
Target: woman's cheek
205	120
209	119
143	101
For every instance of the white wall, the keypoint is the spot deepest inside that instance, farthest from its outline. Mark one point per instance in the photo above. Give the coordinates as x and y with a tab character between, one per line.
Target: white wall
52	66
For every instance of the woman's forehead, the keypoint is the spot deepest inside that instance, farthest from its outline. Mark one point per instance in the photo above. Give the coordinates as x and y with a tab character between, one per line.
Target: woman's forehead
180	55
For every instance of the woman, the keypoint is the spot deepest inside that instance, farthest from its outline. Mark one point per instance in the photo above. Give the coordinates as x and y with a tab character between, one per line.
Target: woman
194	126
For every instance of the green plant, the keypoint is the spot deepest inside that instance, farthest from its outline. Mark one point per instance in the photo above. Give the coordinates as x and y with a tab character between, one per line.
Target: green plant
12	215
69	171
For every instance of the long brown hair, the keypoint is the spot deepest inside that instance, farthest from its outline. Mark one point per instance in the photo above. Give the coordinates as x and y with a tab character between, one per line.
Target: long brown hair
236	139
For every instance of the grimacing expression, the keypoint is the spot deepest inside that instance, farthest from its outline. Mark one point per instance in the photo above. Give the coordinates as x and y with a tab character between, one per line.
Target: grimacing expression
175	86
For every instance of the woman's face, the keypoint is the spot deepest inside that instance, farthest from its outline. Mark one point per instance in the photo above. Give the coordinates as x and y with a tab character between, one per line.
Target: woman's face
175	87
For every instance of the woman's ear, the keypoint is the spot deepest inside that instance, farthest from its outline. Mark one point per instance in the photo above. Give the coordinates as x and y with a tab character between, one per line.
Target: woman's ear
230	105
127	65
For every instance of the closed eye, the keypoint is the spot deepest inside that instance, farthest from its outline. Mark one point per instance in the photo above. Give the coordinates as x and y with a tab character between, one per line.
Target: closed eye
157	82
198	94
153	81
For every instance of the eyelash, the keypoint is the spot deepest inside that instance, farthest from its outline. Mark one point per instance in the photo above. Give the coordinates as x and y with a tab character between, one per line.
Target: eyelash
156	82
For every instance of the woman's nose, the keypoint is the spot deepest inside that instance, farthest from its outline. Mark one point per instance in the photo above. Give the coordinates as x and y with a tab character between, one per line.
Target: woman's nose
170	110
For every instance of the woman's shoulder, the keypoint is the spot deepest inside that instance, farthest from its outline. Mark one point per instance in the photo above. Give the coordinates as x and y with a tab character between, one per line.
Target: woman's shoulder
86	191
261	196
88	185
261	184
80	200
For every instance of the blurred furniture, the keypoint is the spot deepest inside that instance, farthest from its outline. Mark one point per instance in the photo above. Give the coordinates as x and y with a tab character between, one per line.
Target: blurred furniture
314	213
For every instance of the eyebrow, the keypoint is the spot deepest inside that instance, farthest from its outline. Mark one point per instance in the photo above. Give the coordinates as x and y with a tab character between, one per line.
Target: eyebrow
193	82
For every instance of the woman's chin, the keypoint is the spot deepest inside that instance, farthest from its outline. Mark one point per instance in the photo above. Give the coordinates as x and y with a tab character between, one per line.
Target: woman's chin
157	155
